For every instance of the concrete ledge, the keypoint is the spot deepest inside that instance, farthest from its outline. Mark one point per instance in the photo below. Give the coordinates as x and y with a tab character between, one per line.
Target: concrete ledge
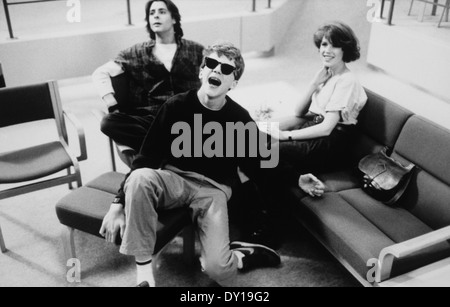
414	53
55	58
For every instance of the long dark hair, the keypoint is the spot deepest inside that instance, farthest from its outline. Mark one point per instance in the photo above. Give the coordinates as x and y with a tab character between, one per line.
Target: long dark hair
174	11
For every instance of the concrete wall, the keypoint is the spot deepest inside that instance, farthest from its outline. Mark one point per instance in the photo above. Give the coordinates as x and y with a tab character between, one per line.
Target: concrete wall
56	58
421	59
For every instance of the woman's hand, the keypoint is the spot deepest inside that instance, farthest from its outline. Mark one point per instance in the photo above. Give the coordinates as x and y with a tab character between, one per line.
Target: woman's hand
311	185
113	222
273	130
278	135
322	76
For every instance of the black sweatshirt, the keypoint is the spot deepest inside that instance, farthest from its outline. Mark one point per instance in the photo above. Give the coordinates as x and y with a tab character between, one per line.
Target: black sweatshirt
180	111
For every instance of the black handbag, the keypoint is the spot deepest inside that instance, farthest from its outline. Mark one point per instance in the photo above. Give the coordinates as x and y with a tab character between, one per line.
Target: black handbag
385	179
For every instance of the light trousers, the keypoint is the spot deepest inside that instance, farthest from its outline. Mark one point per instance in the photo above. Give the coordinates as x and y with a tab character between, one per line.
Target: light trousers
149	191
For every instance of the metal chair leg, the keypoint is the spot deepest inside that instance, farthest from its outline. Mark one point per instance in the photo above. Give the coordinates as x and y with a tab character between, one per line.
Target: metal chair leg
68	240
444	12
79	179
422	12
70	183
410	8
113	156
448	10
2	242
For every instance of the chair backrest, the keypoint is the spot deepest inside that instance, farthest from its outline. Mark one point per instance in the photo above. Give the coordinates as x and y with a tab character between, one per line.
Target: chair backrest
25	104
2	77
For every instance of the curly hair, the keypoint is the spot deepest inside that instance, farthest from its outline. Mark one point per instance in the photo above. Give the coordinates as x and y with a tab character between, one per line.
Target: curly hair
174	11
228	50
342	36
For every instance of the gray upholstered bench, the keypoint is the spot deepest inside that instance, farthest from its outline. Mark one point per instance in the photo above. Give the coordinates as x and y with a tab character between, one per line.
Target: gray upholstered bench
85	208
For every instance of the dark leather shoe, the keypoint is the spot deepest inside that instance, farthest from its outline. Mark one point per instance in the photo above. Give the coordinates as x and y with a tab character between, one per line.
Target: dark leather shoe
256	256
143	284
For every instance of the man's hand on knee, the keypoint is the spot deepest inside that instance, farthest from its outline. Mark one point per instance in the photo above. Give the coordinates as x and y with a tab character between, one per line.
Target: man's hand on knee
113	222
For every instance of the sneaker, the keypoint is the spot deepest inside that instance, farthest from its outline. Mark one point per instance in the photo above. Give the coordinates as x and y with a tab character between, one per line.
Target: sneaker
263	237
256	256
143	284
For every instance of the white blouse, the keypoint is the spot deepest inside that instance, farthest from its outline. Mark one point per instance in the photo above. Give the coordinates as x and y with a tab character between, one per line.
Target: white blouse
342	93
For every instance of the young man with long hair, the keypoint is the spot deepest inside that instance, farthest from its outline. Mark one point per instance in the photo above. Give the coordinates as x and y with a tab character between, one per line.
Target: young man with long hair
156	70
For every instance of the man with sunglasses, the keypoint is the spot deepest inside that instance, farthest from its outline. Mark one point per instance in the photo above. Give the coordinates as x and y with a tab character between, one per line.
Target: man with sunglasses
160	181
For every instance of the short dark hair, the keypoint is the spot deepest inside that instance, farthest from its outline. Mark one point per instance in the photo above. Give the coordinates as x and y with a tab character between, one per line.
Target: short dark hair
174	11
227	49
342	36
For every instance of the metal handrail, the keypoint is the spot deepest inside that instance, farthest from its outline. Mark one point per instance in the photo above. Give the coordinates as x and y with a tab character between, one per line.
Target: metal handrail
269	5
435	4
391	11
6	5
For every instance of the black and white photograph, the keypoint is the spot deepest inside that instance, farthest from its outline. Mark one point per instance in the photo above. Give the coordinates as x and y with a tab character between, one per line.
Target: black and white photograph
224	149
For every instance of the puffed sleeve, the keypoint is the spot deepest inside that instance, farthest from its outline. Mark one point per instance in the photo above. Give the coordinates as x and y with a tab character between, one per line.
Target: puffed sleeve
343	94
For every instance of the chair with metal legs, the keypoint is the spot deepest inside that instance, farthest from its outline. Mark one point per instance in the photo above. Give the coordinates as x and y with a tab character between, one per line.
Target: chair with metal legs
28	170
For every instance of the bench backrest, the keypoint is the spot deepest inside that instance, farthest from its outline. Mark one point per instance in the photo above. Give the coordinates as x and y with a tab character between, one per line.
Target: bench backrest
380	124
428	146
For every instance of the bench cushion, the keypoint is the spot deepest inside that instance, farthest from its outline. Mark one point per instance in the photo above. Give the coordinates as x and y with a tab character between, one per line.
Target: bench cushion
397	224
85	208
109	182
342	229
355	227
341	180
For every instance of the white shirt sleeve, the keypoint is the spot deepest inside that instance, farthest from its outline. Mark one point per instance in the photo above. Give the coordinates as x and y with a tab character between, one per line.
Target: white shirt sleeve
342	95
102	77
348	97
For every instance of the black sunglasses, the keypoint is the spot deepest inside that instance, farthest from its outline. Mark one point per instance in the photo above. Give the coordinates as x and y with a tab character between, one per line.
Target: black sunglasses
226	69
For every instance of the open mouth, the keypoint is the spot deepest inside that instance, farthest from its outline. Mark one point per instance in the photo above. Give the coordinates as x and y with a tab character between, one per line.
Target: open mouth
214	81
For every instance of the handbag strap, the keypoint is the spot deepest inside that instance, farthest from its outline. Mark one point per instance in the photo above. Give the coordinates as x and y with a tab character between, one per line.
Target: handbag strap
400	191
